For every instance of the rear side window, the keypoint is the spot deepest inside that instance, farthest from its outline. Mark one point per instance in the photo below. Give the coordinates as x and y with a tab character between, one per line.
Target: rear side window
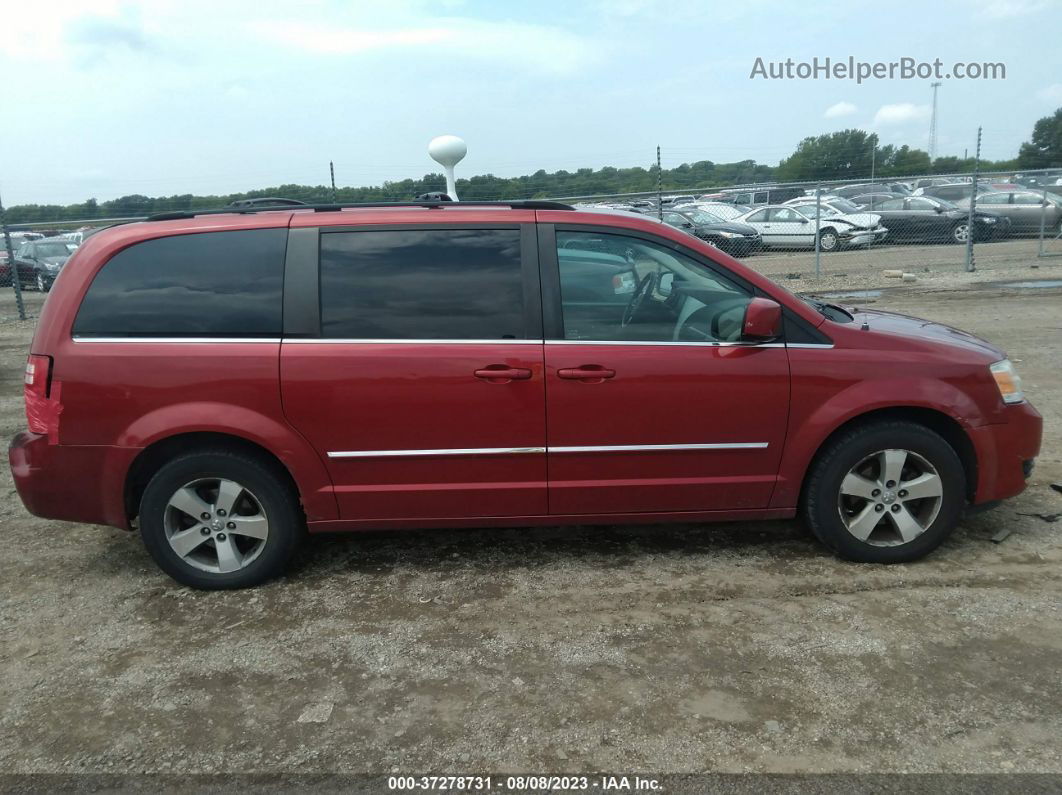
463	284
215	284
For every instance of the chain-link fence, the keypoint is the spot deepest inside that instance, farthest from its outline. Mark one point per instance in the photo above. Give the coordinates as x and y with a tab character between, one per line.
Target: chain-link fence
820	235
900	227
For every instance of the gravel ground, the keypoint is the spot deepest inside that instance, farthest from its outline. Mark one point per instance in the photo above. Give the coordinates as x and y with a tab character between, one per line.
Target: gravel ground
661	649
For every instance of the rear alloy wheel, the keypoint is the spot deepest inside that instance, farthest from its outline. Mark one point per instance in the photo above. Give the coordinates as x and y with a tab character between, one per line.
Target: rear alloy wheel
828	240
42	285
219	520
960	232
885	492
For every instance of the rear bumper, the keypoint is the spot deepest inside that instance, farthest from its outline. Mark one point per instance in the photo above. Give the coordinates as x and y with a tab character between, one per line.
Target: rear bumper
1005	453
71	482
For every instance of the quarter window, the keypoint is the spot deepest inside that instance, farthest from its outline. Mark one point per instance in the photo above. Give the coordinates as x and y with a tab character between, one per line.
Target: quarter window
214	284
463	284
616	287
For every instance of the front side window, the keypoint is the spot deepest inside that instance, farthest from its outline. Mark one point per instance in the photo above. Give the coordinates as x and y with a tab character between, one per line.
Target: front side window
461	284
785	215
1028	198
922	205
622	288
214	284
757	217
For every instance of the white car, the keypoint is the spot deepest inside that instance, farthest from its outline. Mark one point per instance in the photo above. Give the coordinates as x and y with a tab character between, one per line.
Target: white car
837	208
793	226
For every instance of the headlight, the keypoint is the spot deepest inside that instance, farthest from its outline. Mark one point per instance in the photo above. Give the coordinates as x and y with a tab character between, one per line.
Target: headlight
729	234
988	220
1008	381
52	267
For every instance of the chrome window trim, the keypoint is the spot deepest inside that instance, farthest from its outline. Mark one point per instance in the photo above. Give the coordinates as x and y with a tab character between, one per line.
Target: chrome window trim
618	448
194	340
329	341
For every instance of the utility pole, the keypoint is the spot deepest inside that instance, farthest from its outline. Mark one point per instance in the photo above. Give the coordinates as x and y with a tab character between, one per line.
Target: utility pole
659	186
933	125
12	266
332	170
970	266
873	158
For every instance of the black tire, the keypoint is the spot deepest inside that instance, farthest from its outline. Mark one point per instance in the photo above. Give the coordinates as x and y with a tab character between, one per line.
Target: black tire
274	496
830	235
822	501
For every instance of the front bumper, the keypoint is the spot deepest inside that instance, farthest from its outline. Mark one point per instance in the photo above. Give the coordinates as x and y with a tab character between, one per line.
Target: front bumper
864	237
75	483
1005	453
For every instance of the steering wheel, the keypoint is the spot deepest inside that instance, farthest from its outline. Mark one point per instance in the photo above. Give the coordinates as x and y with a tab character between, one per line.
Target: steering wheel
641	292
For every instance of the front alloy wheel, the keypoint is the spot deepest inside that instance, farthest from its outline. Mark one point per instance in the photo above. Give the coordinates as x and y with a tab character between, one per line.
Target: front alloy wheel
890	497
42	285
960	232
888	491
827	240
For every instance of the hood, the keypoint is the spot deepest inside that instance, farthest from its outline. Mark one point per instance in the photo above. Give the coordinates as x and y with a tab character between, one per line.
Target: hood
728	226
868	220
54	260
892	323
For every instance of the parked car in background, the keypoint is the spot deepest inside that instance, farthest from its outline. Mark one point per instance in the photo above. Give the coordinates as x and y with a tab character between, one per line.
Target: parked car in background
18	239
724	210
867	201
782	226
842	224
734	238
40	261
761	195
79	236
923	219
1024	209
953	192
848	191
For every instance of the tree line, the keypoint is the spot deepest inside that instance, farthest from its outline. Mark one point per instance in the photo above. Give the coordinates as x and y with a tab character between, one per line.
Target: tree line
845	155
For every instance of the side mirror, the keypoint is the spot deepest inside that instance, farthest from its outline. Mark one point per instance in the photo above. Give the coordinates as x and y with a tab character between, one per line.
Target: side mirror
938	208
666	284
804	221
763	320
687	225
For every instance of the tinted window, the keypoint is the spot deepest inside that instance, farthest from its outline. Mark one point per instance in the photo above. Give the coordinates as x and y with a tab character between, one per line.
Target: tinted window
993	198
216	284
890	204
922	205
422	284
1028	198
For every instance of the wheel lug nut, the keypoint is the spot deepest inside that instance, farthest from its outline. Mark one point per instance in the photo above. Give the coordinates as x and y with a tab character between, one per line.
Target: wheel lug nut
221	511
875	493
895	508
879	508
890	484
220	536
205	531
231	525
204	515
903	493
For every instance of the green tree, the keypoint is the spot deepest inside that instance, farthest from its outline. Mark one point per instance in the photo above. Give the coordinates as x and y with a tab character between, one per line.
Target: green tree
1045	148
839	155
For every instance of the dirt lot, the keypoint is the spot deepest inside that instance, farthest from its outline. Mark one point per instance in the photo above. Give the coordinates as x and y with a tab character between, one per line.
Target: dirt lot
659	649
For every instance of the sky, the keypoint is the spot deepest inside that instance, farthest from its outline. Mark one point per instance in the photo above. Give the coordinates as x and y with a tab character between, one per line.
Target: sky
106	98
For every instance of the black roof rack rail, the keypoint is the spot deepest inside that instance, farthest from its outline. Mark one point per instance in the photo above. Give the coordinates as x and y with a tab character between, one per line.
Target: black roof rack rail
522	204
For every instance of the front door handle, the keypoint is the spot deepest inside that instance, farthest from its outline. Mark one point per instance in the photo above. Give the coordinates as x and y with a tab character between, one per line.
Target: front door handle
590	373
502	374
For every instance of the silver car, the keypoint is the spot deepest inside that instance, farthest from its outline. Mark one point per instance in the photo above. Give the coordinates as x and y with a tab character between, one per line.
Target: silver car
1024	208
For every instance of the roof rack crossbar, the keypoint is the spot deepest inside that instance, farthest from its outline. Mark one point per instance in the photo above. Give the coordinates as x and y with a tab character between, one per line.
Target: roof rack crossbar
522	204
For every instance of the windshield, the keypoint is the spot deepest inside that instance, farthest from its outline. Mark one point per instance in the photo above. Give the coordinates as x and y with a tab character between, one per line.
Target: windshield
54	249
702	217
726	211
844	206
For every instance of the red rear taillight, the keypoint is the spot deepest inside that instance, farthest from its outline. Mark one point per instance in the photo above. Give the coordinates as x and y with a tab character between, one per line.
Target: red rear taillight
42	397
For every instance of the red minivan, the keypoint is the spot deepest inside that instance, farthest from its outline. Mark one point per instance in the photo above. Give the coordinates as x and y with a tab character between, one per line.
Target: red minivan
227	380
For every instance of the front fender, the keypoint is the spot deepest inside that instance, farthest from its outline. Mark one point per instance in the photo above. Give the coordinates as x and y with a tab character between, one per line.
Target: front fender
809	427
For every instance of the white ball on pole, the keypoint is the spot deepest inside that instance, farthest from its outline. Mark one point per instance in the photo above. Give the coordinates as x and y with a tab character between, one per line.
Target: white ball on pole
447	151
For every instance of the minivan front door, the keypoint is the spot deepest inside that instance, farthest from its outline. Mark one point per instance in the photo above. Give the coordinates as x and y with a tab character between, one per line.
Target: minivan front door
659	406
422	388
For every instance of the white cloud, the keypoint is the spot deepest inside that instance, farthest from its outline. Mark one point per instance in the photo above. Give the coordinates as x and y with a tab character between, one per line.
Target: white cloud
1008	9
546	48
1052	93
901	113
840	109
